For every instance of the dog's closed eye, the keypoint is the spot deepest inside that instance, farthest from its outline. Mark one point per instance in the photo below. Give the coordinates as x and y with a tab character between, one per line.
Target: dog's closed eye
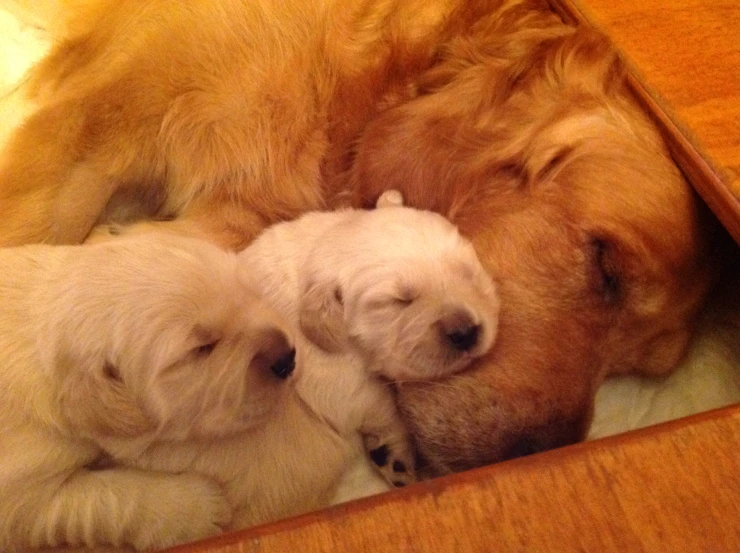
556	161
607	279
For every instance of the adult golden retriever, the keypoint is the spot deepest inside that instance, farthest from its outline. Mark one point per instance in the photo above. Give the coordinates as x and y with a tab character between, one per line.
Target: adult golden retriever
218	117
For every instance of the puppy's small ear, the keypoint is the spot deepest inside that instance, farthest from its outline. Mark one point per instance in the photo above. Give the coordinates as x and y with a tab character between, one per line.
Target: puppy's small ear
390	198
98	403
321	315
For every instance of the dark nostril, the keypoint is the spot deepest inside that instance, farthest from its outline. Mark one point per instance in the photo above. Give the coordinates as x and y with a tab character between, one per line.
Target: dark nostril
464	338
285	365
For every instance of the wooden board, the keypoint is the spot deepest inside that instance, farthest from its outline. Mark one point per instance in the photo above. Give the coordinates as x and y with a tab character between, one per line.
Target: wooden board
673	488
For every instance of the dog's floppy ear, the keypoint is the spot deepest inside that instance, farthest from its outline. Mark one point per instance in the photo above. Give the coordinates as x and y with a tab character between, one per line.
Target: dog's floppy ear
97	402
321	315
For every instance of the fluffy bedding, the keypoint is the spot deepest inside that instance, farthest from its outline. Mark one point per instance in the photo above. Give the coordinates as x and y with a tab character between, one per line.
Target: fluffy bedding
708	378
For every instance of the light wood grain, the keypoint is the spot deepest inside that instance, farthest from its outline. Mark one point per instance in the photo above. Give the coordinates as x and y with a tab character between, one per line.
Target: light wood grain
672	488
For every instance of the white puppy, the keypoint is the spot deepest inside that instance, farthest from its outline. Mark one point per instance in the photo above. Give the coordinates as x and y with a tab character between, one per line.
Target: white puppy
106	349
395	290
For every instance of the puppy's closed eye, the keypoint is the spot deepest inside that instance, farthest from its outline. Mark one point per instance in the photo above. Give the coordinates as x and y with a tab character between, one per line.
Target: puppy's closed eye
207	341
205	350
393	300
398	295
406	295
111	372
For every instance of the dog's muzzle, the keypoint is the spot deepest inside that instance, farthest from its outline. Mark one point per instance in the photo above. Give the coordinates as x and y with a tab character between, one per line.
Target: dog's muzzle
284	366
276	353
460	331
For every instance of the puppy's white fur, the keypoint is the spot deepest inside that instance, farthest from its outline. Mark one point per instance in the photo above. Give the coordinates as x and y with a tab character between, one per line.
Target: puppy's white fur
339	410
105	350
393	283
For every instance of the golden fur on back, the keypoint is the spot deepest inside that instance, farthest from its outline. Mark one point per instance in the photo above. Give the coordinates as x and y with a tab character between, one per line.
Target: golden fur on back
218	117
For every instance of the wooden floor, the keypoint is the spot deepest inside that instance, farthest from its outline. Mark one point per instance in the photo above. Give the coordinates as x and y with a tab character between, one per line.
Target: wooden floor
672	488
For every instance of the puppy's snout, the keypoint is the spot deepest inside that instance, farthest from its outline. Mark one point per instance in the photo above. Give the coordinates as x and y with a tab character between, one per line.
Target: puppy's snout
277	353
465	338
460	331
284	365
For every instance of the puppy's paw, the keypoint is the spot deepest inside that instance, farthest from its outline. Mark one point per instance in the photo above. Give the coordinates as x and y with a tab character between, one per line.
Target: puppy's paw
393	457
390	198
190	508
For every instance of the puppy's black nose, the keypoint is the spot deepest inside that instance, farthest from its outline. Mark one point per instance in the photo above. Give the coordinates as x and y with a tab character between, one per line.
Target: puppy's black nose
464	338
276	353
459	330
284	365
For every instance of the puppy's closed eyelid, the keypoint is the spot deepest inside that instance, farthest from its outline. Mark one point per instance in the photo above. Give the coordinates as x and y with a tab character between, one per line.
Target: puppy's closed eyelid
111	371
205	349
389	301
338	295
405	294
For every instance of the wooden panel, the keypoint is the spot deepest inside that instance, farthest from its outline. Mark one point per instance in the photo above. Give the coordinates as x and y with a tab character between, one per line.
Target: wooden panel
689	51
674	487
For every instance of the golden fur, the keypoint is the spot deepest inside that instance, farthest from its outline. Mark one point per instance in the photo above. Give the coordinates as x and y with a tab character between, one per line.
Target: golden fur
222	116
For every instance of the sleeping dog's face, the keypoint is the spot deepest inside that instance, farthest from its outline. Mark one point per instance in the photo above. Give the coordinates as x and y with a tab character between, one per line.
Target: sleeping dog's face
406	291
568	193
166	342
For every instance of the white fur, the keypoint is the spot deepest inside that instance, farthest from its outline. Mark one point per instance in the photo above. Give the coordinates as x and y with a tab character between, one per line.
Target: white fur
295	462
105	350
403	276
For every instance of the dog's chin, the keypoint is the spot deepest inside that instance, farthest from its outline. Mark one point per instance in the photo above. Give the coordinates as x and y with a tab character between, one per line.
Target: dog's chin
463	422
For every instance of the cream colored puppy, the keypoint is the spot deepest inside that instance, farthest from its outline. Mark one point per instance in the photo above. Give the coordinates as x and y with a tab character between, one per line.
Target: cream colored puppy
393	292
106	349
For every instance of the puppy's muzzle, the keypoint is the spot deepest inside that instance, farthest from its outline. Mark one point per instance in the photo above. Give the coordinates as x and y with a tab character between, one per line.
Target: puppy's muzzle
284	366
459	330
277	353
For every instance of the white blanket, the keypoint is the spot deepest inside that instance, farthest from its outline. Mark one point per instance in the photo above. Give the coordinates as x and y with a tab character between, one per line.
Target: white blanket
708	378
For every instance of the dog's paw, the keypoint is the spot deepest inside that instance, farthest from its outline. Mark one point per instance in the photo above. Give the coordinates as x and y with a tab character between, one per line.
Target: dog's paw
390	198
189	508
393	458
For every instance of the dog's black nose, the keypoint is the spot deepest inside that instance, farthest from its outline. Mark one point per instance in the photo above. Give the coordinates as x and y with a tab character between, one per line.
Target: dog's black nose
276	353
459	330
284	365
464	338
